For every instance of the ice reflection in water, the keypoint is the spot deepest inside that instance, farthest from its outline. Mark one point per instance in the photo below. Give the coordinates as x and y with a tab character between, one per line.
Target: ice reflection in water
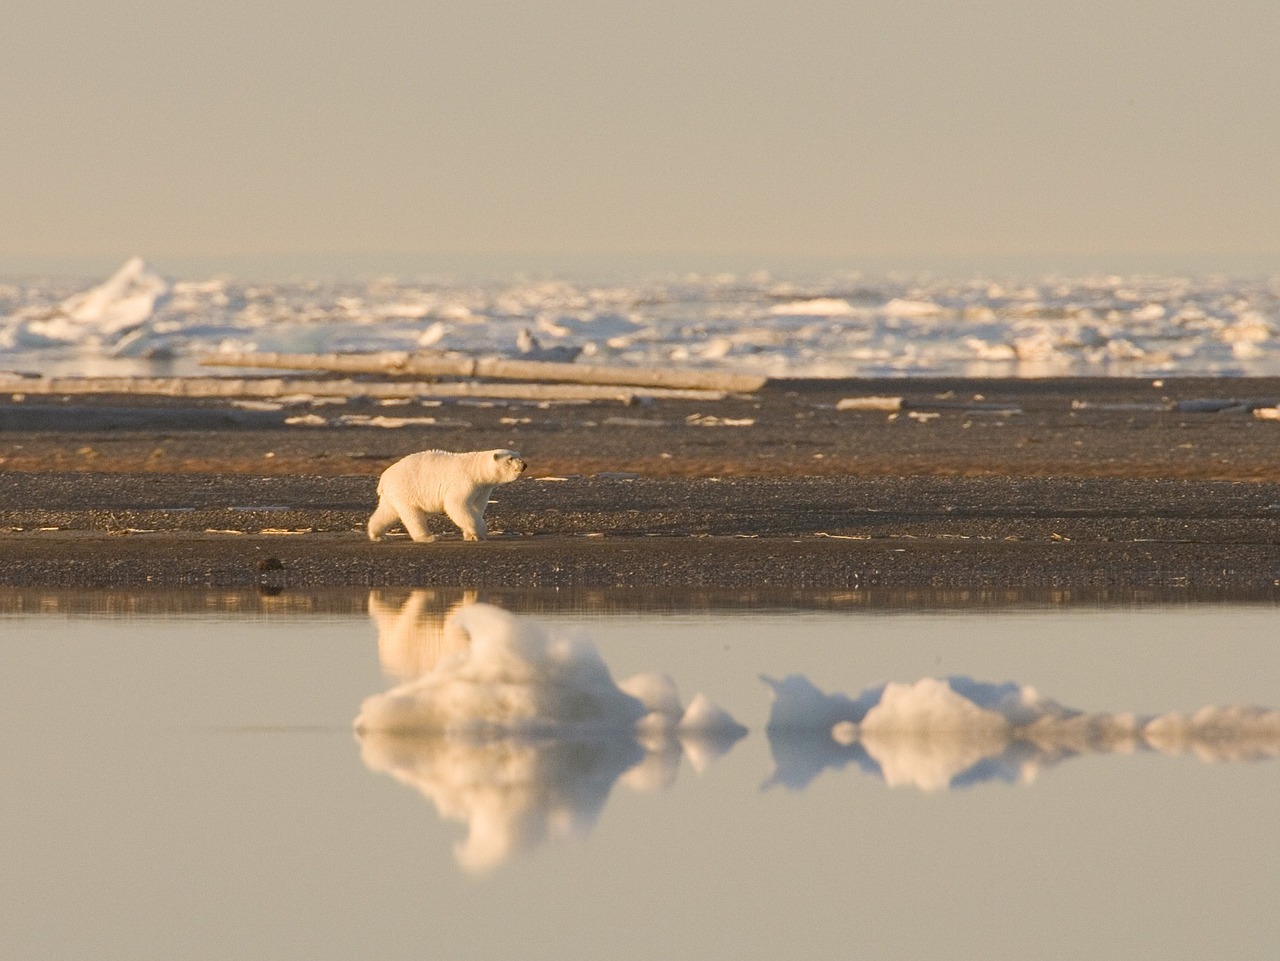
517	731
520	732
513	793
955	732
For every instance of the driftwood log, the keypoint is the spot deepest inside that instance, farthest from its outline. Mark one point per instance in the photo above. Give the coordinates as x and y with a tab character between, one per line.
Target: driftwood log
403	364
277	387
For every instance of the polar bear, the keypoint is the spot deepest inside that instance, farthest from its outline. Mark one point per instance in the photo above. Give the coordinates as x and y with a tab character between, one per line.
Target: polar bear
437	481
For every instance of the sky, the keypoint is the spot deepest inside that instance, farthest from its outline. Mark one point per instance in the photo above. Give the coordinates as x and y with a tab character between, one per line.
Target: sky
1109	134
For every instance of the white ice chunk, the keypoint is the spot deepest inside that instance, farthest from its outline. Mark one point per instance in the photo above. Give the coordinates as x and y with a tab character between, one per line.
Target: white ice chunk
905	308
516	677
120	304
657	692
512	678
817	307
517	730
1252	327
125	300
941	733
703	717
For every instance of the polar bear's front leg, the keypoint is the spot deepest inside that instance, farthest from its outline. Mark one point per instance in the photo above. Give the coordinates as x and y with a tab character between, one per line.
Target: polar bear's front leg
415	522
477	504
469	520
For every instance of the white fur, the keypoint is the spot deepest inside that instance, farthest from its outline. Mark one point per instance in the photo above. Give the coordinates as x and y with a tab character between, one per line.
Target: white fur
439	482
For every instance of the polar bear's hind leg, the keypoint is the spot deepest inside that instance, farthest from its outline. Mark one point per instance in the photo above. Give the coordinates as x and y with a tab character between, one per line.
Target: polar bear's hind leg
382	519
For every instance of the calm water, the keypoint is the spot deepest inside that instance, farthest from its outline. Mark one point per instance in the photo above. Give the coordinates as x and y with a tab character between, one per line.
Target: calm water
181	780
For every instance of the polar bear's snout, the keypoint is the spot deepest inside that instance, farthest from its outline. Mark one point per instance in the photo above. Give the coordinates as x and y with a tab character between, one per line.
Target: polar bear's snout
509	462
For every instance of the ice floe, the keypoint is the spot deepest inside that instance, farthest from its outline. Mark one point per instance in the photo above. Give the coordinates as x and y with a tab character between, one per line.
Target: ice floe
818	307
837	325
515	676
516	730
938	733
103	314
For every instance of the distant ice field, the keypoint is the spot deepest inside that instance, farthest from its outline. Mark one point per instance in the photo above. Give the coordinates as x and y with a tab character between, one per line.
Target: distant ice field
139	321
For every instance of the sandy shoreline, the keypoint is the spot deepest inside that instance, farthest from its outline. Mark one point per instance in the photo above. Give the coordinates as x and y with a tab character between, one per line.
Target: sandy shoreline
1063	484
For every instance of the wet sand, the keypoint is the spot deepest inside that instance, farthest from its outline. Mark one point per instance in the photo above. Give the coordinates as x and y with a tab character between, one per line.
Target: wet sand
959	484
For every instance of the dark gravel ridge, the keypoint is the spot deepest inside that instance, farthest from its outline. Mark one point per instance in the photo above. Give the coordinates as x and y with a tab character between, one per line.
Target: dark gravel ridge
1071	484
176	530
71	559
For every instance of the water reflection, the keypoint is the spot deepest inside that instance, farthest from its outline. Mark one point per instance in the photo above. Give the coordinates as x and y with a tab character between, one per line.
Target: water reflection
519	731
954	732
512	793
417	630
516	730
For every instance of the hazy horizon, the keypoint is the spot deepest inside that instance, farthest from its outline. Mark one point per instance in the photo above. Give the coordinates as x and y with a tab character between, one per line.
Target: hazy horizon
462	268
1004	137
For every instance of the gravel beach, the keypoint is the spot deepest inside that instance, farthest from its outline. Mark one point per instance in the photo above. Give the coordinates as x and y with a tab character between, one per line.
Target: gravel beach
1069	484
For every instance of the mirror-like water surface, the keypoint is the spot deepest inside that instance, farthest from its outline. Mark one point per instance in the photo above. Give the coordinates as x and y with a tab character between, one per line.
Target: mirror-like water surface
184	779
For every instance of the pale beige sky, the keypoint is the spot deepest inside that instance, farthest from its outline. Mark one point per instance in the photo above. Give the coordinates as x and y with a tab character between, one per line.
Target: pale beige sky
879	130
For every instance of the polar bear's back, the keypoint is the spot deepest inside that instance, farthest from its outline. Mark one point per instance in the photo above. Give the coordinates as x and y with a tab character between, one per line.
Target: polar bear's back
423	460
426	474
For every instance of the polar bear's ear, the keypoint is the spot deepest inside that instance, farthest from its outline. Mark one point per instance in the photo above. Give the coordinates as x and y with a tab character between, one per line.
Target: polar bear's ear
497	455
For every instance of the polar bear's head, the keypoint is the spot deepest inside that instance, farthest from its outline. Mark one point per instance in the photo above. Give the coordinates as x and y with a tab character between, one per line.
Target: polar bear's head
503	466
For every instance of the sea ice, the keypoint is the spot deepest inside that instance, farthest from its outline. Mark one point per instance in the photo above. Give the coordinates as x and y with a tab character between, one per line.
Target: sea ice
818	307
903	307
515	730
837	326
514	676
940	733
124	301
